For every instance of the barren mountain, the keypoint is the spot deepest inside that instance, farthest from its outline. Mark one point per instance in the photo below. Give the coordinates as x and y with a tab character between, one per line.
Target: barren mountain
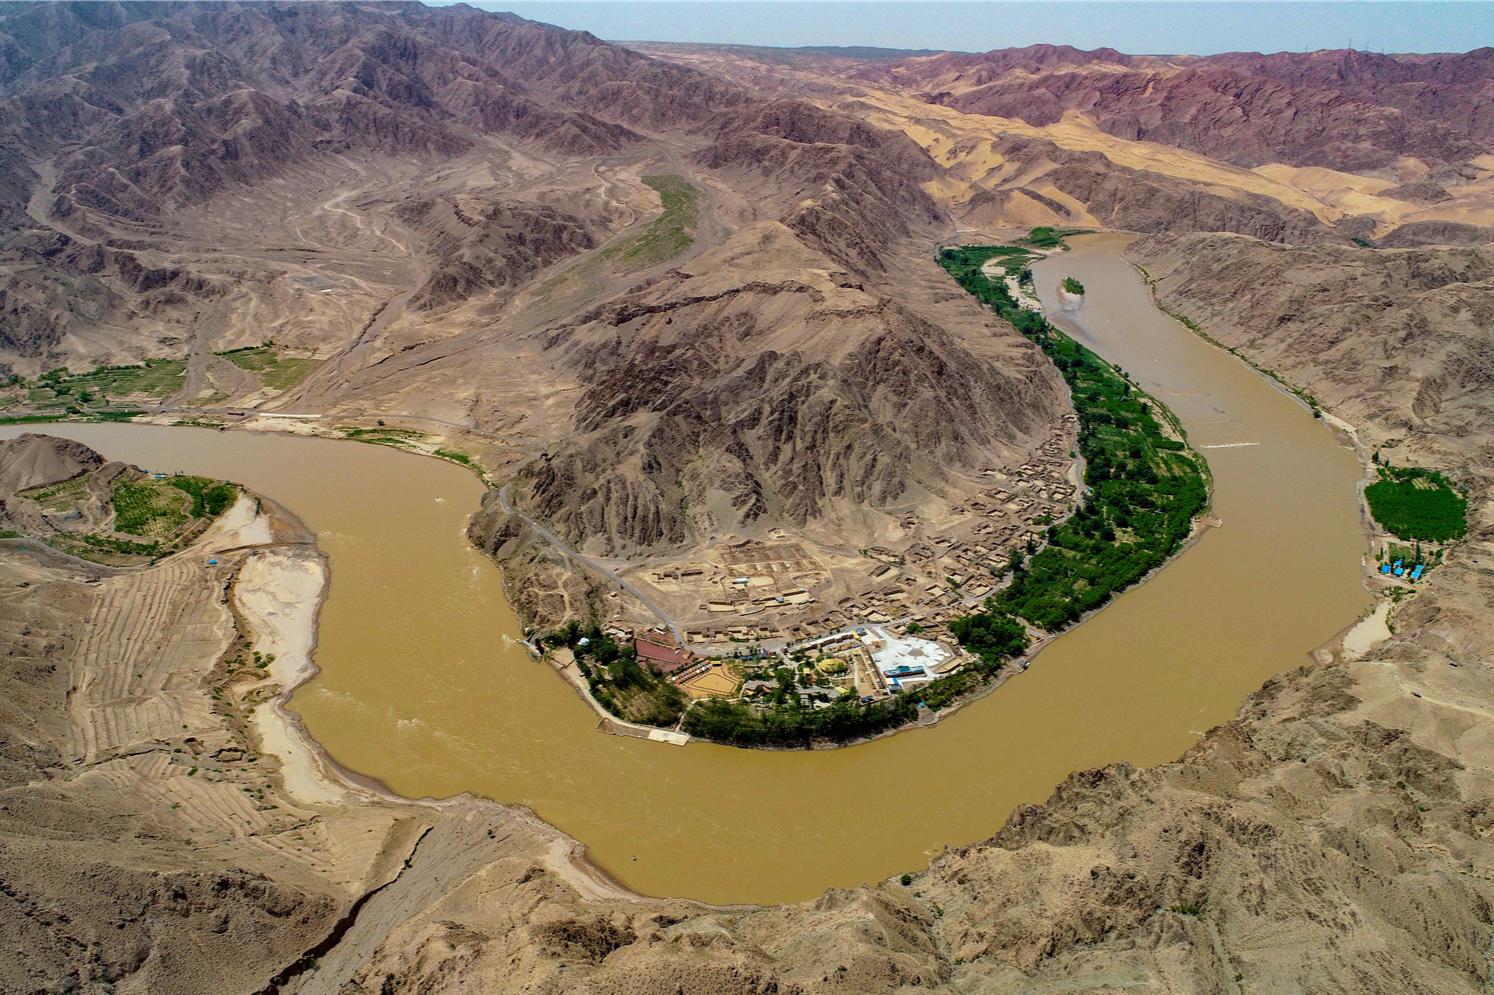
1320	146
435	199
708	406
34	461
1345	110
501	246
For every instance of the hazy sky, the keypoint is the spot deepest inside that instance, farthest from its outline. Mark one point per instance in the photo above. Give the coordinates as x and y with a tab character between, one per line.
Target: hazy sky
977	25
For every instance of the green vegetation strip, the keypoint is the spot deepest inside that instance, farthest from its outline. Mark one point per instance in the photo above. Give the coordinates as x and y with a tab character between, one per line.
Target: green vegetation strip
141	508
153	378
1048	238
667	235
73	416
210	498
1145	487
1417	504
275	370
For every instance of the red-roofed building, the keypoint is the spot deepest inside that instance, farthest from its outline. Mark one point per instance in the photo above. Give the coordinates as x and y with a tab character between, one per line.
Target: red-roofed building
653	651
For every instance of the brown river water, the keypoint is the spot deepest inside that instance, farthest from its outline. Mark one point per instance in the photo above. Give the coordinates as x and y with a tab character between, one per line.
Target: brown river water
425	687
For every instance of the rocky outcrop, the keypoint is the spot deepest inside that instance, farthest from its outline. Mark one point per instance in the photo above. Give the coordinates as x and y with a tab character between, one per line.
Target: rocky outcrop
171	110
1417	233
695	400
497	248
38	460
1227	116
52	284
844	187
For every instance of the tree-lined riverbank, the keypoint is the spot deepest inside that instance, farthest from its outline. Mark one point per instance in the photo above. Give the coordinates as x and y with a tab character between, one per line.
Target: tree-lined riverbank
1144	485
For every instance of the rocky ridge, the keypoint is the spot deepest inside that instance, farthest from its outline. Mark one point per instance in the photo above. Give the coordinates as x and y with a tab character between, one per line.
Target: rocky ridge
1342	109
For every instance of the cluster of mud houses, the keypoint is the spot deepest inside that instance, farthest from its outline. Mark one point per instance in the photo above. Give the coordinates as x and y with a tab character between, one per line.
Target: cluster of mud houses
931	581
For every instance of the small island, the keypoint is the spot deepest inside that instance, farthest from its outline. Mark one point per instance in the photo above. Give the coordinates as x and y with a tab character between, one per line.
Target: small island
1073	286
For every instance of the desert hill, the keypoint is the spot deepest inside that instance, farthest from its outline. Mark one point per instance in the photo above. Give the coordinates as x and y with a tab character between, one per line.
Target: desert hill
439	201
1318	146
1343	110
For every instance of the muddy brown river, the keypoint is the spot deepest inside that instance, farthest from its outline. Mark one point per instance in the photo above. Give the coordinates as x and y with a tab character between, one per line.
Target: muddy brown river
424	686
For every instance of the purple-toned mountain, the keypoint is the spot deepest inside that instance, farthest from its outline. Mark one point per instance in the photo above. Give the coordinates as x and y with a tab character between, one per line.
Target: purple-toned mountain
1343	109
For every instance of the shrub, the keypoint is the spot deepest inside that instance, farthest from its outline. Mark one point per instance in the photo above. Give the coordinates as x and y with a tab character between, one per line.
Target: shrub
210	498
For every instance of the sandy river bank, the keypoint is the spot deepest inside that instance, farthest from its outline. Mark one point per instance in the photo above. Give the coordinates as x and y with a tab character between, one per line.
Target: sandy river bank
277	594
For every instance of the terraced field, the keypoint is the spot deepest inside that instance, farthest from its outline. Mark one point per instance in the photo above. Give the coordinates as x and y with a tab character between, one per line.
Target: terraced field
159	716
276	369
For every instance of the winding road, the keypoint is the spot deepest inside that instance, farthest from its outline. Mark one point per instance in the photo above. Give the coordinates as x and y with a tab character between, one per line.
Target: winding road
571	554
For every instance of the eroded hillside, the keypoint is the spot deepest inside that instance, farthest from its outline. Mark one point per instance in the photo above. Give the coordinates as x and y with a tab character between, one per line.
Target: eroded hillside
1399	340
679	308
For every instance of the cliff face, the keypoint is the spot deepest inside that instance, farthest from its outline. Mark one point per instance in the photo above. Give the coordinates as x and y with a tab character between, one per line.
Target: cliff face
499	246
1230	116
